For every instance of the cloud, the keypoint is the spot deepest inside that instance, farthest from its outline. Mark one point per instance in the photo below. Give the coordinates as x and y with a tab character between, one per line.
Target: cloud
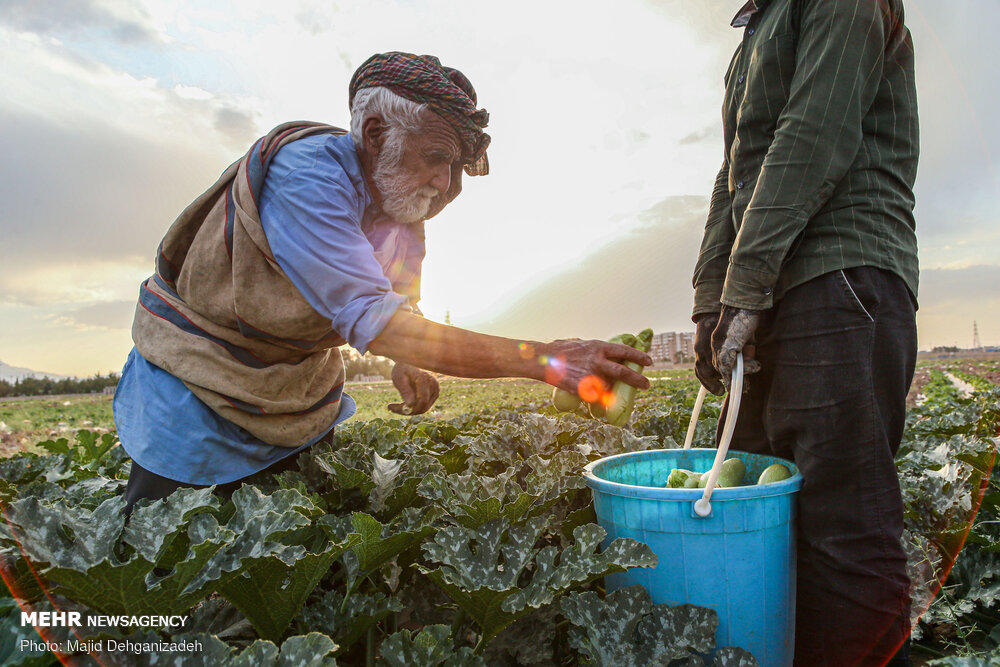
125	23
641	280
238	125
952	299
971	285
711	132
97	164
107	315
81	197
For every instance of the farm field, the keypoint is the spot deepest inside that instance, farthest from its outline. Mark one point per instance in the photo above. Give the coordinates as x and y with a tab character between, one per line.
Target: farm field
27	420
464	537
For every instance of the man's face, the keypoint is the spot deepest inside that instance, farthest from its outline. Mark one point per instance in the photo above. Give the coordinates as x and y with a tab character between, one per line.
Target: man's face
417	175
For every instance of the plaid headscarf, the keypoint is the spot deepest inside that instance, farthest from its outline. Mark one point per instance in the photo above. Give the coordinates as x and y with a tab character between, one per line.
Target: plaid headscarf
445	90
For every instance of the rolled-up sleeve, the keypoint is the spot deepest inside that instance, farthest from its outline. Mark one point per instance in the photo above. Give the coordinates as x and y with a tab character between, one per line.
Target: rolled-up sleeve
311	214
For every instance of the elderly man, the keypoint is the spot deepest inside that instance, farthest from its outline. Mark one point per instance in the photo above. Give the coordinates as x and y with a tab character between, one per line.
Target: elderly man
810	257
312	240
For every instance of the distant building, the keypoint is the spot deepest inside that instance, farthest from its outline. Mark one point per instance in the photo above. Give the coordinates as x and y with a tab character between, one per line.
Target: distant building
672	346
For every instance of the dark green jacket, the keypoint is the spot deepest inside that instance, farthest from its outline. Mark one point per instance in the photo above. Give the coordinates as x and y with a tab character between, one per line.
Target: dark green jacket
821	145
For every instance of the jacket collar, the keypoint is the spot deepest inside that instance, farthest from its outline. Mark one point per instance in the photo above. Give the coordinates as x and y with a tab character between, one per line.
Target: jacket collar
743	16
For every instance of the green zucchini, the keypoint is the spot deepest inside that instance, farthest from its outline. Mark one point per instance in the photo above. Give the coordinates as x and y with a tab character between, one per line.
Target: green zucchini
619	408
774	473
565	401
679	478
731	474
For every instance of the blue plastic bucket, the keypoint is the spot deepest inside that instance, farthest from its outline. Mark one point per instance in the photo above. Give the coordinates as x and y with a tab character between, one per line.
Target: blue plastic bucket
739	560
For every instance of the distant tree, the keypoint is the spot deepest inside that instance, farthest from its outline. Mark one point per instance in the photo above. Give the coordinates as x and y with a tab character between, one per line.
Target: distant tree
32	386
369	364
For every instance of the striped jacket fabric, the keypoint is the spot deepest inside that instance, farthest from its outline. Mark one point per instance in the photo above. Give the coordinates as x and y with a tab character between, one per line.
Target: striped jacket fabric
821	147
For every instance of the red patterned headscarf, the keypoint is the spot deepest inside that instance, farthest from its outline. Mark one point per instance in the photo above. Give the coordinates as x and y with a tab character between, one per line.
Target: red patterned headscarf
445	90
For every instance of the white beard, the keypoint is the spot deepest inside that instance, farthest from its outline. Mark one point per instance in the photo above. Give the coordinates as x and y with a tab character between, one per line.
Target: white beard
399	198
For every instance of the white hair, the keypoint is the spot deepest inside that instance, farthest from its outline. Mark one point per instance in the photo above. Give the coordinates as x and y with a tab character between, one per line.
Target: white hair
401	116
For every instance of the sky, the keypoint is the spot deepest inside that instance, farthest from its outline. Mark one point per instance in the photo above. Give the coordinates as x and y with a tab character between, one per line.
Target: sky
606	131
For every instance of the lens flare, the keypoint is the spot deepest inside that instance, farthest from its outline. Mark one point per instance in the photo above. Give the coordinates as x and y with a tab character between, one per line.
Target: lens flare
592	389
555	368
526	350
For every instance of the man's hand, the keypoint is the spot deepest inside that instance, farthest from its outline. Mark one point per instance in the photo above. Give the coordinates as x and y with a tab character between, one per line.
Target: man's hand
704	367
592	365
733	334
418	388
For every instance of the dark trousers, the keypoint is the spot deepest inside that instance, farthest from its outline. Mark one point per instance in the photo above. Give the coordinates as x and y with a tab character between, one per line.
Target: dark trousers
837	356
145	484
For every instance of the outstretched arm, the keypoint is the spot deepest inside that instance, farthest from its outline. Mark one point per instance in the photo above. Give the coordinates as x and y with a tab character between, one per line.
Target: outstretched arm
409	339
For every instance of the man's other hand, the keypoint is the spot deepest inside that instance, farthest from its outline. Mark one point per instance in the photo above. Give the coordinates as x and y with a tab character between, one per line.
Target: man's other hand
733	334
418	388
704	367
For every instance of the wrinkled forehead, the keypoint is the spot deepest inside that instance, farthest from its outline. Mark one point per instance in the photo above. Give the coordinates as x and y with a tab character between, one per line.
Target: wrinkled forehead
438	134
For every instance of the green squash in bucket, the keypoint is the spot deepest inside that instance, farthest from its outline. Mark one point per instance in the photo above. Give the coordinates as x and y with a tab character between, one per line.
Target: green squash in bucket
731	474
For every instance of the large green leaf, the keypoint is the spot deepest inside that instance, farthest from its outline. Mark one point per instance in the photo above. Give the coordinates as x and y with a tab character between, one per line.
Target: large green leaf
259	523
503	444
734	656
153	526
480	569
312	650
606	440
12	633
990	659
430	647
579	563
627	630
530	640
270	592
133	587
347	620
378	543
472	500
66	536
17	575
551	478
217	616
80	550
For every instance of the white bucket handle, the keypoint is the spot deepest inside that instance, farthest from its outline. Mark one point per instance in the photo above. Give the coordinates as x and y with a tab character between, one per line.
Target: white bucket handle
702	506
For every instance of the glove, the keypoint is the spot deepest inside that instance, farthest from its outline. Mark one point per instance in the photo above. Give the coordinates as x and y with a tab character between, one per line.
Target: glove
704	368
735	333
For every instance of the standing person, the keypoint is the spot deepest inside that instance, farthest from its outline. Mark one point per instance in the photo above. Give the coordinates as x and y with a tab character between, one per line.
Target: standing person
312	240
809	264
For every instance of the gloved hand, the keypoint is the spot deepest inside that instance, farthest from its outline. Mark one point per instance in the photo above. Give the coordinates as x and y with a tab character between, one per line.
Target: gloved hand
704	368
735	333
